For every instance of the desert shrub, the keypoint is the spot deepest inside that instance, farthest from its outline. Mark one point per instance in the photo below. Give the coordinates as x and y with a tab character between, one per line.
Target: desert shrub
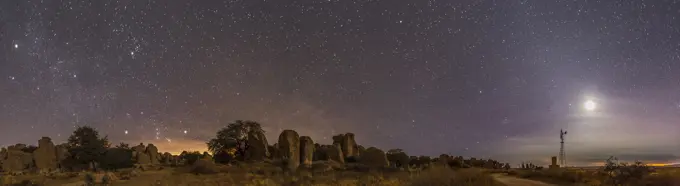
117	158
191	157
623	173
225	156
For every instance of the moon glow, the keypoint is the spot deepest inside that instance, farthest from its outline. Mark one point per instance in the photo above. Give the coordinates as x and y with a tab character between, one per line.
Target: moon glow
589	105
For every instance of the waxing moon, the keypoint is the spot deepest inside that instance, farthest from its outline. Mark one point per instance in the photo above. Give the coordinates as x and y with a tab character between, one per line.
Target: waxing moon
589	105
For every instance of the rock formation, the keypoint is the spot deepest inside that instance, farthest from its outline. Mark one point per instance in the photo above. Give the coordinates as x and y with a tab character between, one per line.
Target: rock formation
347	144
45	156
289	146
274	152
329	153
152	152
61	154
258	148
306	150
374	157
16	160
167	159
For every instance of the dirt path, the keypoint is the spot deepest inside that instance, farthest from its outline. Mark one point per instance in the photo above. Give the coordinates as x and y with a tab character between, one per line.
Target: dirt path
514	181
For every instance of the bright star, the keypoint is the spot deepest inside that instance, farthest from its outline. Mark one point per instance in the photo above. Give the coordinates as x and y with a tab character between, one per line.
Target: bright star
16	45
185	131
126	132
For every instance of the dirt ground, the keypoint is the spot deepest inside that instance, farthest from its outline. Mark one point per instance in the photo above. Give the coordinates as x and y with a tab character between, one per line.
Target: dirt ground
514	181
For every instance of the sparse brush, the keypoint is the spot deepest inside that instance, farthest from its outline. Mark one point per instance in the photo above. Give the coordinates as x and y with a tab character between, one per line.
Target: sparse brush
445	176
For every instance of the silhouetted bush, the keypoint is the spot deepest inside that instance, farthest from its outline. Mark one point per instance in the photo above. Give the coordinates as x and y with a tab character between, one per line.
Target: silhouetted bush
190	157
117	158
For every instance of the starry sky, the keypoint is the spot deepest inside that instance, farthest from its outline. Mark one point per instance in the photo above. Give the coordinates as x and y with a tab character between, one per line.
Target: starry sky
489	78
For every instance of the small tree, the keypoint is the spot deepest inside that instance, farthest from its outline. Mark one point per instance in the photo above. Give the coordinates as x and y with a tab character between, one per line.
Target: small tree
235	135
86	147
123	146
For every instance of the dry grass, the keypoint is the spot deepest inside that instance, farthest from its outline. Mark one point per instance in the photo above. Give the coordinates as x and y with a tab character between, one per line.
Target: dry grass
269	173
661	176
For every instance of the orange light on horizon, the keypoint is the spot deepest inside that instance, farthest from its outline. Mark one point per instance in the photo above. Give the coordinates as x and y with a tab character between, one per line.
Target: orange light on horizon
175	146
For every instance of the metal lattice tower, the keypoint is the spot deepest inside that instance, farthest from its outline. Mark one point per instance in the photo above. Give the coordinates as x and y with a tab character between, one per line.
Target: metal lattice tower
563	156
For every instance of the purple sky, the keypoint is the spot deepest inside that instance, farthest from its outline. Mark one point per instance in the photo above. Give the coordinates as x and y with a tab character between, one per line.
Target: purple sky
473	78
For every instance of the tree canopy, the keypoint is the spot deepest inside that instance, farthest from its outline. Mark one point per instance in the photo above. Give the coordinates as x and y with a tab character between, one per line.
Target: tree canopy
86	146
235	135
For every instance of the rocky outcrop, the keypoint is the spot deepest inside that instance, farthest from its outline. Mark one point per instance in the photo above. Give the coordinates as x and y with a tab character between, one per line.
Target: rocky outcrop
374	157
257	146
168	159
289	146
152	152
328	153
45	156
16	160
61	154
143	159
347	144
306	150
274	151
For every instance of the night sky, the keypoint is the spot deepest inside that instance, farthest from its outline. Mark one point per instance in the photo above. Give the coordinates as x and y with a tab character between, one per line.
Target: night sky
488	78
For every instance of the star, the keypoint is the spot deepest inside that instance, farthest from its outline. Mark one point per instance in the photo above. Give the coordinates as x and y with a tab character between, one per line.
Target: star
16	45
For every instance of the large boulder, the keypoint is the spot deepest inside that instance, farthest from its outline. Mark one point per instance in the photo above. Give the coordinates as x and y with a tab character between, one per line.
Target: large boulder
152	151
17	160
289	146
328	153
398	159
306	150
139	149
374	157
142	158
45	156
61	154
347	144
274	151
257	146
167	159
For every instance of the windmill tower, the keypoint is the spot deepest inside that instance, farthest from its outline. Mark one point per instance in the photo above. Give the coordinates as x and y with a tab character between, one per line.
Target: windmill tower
563	156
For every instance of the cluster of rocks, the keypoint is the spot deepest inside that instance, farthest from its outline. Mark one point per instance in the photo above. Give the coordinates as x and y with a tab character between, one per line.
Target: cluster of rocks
149	155
45	158
301	151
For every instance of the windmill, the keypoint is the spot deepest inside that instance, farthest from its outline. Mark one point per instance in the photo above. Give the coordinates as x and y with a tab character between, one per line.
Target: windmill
563	156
